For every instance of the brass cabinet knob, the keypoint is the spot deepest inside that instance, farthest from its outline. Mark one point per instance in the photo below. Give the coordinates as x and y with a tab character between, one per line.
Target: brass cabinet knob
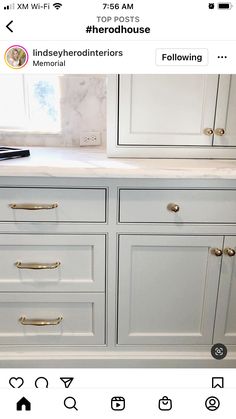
208	131
229	251
173	207
217	252
219	131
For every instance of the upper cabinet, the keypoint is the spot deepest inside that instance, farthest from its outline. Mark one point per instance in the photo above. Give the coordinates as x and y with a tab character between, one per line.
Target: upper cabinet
225	123
172	116
166	109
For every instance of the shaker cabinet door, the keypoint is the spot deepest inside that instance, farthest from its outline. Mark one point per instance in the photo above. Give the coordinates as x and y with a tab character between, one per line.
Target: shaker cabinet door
225	123
166	109
225	330
167	289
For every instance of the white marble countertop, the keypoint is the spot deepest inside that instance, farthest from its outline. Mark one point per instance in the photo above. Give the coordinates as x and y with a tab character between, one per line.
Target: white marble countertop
77	162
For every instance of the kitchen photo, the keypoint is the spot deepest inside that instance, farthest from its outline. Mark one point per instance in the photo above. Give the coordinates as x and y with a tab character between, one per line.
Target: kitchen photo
118	220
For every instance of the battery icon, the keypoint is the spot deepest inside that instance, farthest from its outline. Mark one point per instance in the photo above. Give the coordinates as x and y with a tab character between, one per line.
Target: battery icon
225	6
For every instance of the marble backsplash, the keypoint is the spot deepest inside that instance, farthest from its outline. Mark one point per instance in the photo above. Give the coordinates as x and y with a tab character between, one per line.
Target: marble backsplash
83	108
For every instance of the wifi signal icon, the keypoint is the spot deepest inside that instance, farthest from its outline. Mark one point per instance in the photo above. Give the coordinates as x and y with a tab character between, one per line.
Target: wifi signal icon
57	5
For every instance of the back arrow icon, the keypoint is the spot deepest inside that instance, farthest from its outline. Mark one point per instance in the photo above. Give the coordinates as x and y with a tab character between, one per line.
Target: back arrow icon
8	26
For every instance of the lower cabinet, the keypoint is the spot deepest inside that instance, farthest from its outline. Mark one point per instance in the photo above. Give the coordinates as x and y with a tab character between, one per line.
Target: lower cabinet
52	289
52	263
52	319
173	267
225	330
168	289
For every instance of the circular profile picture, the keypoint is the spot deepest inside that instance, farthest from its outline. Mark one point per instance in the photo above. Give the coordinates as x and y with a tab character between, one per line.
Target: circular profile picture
16	57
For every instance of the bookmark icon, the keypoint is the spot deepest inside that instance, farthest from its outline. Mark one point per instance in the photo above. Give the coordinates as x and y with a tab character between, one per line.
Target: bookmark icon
217	382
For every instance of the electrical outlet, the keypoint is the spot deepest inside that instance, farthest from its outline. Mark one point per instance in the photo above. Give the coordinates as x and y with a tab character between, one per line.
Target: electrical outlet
90	138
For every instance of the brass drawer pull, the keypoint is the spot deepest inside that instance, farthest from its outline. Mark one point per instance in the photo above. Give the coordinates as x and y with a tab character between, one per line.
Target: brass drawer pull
216	252
34	207
208	131
173	207
219	131
229	252
40	322
21	265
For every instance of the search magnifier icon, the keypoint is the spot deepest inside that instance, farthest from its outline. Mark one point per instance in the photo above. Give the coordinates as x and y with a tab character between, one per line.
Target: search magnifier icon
70	403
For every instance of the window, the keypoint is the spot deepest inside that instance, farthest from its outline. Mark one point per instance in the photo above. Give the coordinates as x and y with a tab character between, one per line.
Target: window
30	104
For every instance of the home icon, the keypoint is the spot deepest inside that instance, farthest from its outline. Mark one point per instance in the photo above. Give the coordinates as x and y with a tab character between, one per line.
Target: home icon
23	404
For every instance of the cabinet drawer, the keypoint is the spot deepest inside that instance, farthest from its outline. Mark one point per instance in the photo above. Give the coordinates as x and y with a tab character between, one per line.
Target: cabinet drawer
76	319
45	204
197	206
52	262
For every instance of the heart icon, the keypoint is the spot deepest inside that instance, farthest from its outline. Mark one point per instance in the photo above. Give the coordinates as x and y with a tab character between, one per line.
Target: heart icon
16	382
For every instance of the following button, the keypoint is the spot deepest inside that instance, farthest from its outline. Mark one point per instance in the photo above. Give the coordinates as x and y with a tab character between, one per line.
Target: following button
181	57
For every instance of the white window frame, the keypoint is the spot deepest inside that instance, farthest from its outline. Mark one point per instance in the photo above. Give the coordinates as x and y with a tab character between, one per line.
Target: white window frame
27	125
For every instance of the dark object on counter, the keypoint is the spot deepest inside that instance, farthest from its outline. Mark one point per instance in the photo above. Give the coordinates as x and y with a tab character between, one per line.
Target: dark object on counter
12	153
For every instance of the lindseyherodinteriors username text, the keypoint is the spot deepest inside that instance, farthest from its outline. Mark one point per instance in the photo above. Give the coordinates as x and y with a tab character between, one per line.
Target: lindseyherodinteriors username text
57	58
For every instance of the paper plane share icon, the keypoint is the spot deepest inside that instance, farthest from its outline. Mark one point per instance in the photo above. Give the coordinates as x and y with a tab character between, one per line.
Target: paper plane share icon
67	381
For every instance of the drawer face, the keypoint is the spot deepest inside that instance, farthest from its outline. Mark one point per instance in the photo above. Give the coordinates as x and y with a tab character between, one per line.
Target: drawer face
193	206
82	323
45	263
79	205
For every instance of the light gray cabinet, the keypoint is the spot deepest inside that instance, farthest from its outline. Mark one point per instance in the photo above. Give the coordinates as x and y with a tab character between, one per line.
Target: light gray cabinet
53	205
166	109
52	263
167	289
150	280
177	206
52	286
177	116
225	112
52	319
225	330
